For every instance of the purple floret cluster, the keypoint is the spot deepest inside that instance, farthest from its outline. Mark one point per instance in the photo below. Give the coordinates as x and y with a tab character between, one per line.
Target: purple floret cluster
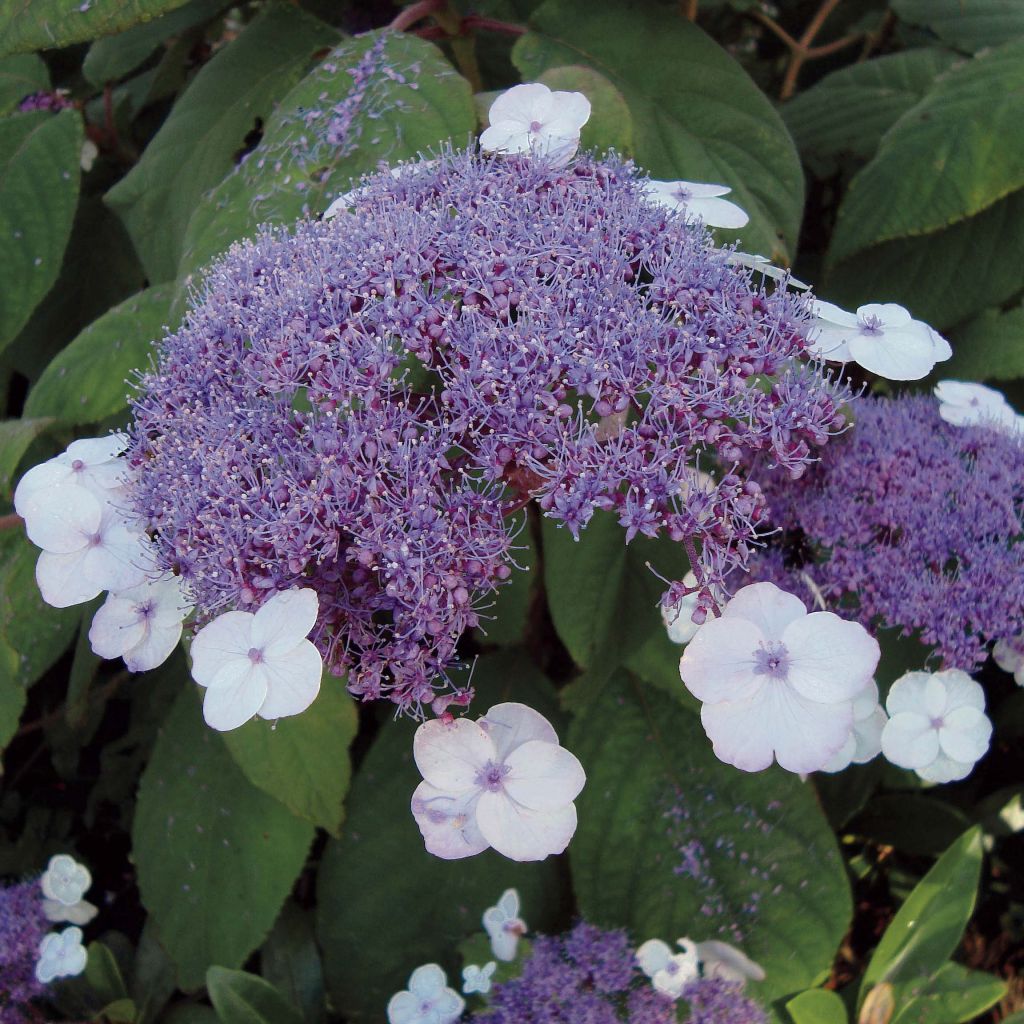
590	976
359	406
22	927
45	100
909	522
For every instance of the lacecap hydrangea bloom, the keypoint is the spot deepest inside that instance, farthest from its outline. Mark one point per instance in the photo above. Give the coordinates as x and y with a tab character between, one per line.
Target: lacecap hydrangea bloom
359	406
909	522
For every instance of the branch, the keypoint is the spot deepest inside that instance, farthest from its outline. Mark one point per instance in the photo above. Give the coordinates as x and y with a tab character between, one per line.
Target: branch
404	20
472	21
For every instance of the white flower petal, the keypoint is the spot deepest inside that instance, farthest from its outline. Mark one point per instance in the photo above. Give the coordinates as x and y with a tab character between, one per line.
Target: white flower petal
117	627
60	519
450	755
906	354
225	639
830	659
427	981
653	956
1009	656
61	580
769	607
521	834
907	693
236	694
890	314
909	740
945	769
961	690
284	620
65	880
718	663
403	1008
965	735
543	776
95	451
517	103
80	913
448	823
718	213
293	681
834	314
720	960
511	724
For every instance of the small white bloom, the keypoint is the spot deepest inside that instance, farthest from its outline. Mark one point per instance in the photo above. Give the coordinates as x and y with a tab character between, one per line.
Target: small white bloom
720	960
777	682
865	742
1009	656
504	926
762	265
65	880
698	201
503	781
87	157
142	624
259	664
969	405
478	979
881	337
531	118
670	972
937	724
678	617
81	912
61	955
90	462
428	1000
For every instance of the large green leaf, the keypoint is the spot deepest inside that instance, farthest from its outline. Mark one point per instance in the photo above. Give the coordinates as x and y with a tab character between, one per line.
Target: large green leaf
817	1006
951	156
39	176
611	124
21	76
198	143
12	696
672	842
241	998
989	347
290	961
944	277
966	24
849	110
928	927
302	761
384	904
15	438
49	24
397	97
215	856
697	115
90	379
953	995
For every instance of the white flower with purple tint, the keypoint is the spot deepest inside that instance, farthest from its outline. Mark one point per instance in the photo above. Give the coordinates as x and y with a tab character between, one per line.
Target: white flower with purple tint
881	337
970	405
937	724
259	664
669	972
503	782
61	955
720	960
504	926
531	118
777	683
865	742
478	979
1009	656
142	625
428	1000
65	880
697	201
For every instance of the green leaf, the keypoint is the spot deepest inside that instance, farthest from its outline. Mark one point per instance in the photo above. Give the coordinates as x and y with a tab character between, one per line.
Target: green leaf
12	696
296	171
290	961
911	822
966	24
103	974
951	156
39	176
89	380
697	115
988	347
241	998
928	927
15	438
611	124
303	761
215	856
944	277
153	980
197	144
953	995
84	666
672	842
50	24
817	1006
21	76
384	904
849	110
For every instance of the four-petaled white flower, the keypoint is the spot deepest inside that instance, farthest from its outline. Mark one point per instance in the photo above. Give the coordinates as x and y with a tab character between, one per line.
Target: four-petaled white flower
504	926
428	1000
90	462
65	880
720	960
531	118
259	664
670	972
61	955
698	201
937	724
503	781
969	405
865	742
141	625
478	979
881	337
1009	656
777	681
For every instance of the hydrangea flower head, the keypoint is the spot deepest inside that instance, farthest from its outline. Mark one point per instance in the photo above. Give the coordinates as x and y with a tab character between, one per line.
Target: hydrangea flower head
428	999
530	118
777	683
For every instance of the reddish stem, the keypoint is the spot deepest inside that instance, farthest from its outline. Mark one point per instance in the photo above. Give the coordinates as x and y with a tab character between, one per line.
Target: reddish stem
404	20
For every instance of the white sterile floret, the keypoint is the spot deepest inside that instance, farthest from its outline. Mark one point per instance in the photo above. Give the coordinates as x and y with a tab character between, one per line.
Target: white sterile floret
504	926
720	960
478	979
764	266
65	880
61	955
865	742
259	664
428	1000
698	201
669	972
142	625
90	462
503	781
348	199
881	337
1009	656
776	682
969	405
80	913
937	724
678	617
531	118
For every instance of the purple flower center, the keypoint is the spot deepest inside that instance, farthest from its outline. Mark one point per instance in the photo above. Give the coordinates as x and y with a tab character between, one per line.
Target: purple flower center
490	776
256	655
146	609
937	722
871	325
771	659
78	465
535	126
